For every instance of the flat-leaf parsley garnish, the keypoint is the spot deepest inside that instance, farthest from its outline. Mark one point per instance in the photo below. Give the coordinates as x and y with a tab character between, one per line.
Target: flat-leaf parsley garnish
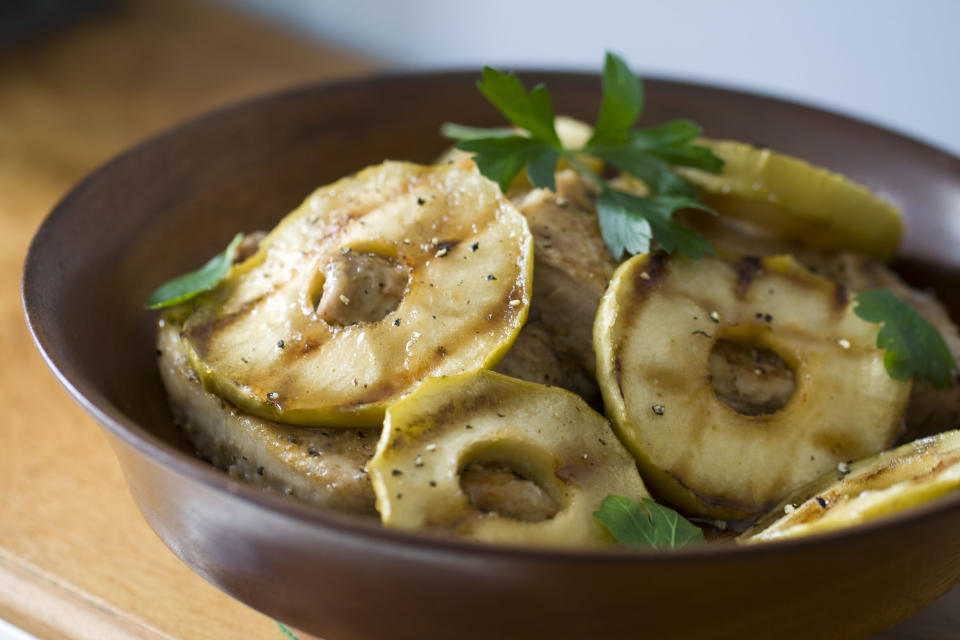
647	524
286	631
190	285
914	347
628	222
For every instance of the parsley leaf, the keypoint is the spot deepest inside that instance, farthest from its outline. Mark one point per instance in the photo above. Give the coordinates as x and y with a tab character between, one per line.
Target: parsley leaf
190	285
463	132
628	223
501	159
650	153
533	112
621	105
654	172
673	142
285	631
647	524
913	346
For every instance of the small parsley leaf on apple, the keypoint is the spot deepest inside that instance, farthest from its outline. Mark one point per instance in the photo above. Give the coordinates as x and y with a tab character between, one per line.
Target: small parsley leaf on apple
913	347
647	524
190	285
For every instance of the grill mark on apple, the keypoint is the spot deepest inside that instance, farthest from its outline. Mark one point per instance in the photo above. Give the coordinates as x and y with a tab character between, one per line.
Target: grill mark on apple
693	438
841	296
378	392
290	353
935	470
865	481
448	245
461	408
618	374
812	511
339	215
653	268
838	445
498	315
747	269
667	377
201	335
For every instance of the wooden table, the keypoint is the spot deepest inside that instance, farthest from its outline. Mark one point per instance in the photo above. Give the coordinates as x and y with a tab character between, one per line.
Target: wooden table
76	558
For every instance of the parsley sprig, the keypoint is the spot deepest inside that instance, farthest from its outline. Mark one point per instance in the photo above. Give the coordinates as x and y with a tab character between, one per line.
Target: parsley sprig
286	631
628	222
190	285
914	347
647	524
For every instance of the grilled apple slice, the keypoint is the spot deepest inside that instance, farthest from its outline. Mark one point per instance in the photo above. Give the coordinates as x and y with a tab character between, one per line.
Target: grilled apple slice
492	458
734	383
321	466
375	283
882	485
931	410
807	204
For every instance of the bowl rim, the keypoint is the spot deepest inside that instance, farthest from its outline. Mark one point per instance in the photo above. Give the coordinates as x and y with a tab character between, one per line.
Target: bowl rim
192	468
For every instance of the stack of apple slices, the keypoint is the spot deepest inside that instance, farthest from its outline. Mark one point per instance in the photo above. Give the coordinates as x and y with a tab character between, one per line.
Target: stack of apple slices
736	380
730	382
282	373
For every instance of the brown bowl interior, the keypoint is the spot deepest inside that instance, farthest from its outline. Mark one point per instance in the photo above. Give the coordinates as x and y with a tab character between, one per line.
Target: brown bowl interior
167	205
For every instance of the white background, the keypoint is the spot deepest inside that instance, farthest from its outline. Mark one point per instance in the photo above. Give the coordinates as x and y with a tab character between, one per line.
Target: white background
892	62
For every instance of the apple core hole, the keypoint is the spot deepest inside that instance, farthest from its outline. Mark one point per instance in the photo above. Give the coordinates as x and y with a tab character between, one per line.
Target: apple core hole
512	480
750	379
358	286
496	488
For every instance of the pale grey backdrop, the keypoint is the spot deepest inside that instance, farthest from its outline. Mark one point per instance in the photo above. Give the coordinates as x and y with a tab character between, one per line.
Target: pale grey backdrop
893	62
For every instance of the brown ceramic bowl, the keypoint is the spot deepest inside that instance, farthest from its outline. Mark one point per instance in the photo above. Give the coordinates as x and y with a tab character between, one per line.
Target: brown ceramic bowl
167	205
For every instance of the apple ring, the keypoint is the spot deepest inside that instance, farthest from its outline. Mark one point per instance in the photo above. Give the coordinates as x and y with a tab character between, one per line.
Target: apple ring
373	284
734	383
496	459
